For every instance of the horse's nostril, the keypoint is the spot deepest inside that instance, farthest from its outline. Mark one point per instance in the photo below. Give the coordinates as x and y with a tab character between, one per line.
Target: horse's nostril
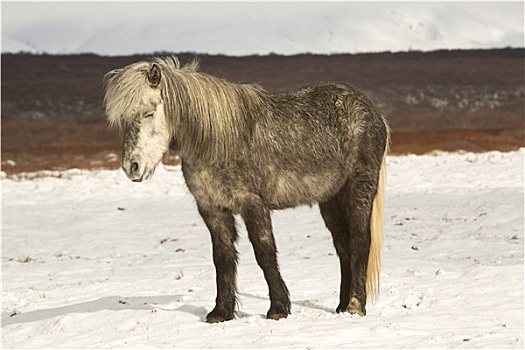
134	167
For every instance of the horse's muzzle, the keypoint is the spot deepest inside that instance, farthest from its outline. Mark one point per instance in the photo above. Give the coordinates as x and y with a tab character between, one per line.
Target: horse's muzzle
134	167
133	170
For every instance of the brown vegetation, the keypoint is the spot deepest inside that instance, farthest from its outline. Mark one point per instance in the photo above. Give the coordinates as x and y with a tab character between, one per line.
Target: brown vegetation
53	118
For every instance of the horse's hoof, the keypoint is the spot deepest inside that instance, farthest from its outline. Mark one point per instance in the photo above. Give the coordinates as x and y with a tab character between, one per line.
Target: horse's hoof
276	315
355	311
355	307
217	317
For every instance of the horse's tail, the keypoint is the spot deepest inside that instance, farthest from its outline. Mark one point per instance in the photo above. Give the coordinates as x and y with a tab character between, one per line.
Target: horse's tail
376	231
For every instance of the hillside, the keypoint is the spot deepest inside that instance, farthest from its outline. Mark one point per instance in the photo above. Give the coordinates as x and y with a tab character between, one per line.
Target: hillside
52	113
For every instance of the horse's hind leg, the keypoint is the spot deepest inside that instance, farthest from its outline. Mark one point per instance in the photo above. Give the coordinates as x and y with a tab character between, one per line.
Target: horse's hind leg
259	227
359	199
221	225
335	220
347	216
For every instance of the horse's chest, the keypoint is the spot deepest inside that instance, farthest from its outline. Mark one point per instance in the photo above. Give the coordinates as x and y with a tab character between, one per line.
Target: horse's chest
214	189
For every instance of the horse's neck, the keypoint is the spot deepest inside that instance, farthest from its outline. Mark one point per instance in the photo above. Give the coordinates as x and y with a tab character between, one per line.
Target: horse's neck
212	118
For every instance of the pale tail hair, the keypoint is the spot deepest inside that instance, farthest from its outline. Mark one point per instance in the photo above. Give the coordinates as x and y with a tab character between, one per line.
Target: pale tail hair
377	231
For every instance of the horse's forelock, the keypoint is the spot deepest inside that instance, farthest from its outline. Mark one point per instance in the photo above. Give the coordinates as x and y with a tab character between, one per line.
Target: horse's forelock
125	87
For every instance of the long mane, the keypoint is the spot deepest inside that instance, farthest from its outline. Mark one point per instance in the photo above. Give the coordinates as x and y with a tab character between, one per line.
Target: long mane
208	117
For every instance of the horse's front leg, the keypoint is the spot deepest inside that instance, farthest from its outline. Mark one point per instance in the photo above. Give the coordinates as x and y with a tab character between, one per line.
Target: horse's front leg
221	224
259	227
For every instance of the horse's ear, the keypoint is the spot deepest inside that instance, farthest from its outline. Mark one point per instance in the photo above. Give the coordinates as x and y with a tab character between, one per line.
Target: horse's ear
154	75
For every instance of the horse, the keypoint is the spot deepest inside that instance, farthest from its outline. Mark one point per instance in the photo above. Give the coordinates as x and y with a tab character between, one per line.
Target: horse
247	152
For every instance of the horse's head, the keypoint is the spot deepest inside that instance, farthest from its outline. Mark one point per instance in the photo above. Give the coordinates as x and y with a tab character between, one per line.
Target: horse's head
133	101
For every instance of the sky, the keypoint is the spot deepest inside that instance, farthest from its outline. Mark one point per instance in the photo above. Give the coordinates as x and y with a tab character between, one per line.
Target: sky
246	28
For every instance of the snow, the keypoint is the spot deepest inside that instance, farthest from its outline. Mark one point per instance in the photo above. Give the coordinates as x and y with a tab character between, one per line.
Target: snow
246	28
91	259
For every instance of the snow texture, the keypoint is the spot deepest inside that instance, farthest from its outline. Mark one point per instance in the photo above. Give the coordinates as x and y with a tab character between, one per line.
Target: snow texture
90	259
245	28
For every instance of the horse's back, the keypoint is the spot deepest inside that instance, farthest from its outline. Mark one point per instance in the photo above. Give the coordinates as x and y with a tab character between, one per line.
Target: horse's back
306	149
322	122
302	149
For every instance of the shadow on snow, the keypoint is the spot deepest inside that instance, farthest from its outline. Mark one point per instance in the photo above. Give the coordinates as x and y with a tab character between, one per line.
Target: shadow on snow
115	303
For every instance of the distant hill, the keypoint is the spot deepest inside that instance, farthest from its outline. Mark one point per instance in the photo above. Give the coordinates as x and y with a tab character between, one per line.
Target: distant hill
415	90
56	101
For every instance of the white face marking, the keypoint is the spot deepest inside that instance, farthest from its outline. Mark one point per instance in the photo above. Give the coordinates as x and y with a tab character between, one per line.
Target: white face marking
147	139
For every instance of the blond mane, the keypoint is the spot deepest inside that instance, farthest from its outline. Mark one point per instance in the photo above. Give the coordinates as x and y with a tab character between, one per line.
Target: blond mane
208	116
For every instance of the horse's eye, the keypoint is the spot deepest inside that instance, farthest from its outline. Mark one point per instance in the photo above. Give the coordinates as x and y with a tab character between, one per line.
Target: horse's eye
149	114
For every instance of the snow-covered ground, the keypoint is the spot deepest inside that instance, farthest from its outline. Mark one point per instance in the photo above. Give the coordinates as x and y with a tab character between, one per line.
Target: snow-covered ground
245	28
90	259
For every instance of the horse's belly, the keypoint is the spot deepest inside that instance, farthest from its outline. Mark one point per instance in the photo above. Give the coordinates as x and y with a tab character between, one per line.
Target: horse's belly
290	189
278	189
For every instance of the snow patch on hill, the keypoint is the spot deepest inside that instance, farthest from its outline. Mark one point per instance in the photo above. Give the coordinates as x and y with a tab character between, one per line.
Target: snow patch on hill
258	28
